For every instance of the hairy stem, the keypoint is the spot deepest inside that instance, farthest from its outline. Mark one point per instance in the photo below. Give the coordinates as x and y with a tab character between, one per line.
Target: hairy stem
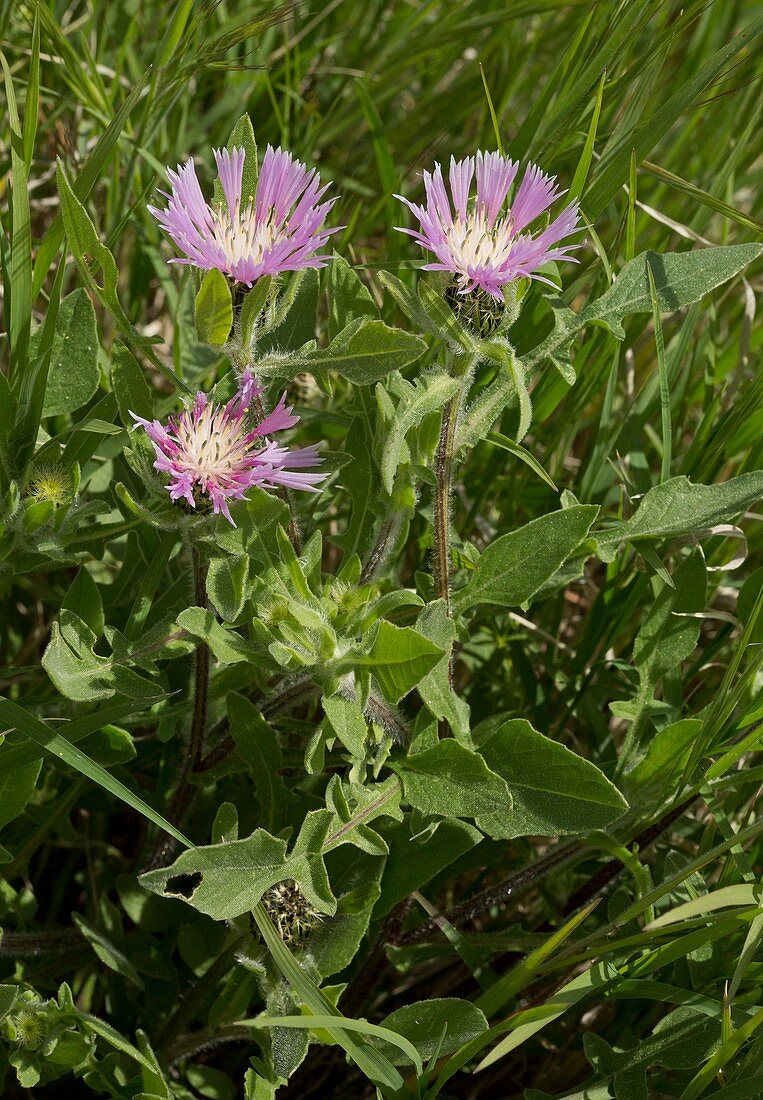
467	910
461	367
388	529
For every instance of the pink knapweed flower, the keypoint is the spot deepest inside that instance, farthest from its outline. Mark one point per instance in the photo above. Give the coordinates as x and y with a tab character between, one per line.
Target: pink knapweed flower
482	244
279	229
214	451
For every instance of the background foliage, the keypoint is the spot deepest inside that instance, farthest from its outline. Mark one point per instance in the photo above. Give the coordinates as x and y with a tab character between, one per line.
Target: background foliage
563	895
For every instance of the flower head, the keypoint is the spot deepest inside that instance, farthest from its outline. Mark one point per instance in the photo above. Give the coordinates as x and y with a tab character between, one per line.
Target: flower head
481	243
51	483
211	451
279	229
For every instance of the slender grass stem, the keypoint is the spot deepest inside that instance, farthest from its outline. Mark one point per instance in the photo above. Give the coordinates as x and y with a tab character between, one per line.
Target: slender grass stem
442	518
181	800
201	670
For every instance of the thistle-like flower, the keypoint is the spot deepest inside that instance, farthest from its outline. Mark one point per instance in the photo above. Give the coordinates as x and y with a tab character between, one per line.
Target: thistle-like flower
279	229
291	912
213	453
483	245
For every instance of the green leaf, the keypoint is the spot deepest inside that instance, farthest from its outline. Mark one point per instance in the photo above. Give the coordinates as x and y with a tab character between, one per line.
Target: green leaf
73	373
519	976
408	302
523	1025
365	351
510	445
107	952
348	296
292	319
19	308
226	880
442	320
320	1022
667	637
677	507
669	633
399	656
257	745
84	599
435	688
515	566
228	585
511	368
555	791
584	164
88	175
488	406
130	387
355	882
228	647
53	743
242	137
360	480
15	756
452	781
16	788
681	278
251	309
435	1027
656	776
214	309
413	862
92	257
83	675
354	806
426	395
347	722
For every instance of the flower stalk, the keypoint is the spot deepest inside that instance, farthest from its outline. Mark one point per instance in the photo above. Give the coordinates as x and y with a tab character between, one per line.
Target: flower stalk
462	366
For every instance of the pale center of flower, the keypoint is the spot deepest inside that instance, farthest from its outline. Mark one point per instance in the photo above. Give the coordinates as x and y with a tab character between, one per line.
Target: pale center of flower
212	446
473	244
241	237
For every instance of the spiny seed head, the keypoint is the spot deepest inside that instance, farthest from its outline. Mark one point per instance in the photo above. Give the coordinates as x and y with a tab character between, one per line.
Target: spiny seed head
291	912
348	597
51	483
30	1028
479	311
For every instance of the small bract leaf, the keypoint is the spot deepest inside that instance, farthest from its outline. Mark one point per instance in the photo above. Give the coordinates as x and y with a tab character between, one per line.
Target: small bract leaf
214	309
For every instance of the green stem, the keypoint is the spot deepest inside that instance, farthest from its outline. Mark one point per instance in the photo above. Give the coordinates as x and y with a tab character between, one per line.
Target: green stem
201	670
461	367
183	795
444	473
